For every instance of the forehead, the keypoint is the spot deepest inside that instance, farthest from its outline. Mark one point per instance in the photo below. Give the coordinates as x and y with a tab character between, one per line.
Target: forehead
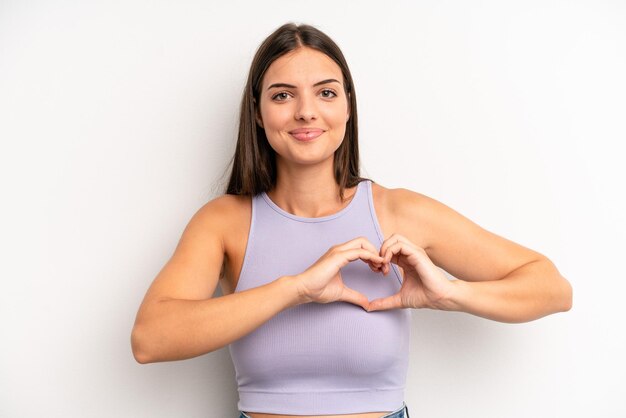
302	64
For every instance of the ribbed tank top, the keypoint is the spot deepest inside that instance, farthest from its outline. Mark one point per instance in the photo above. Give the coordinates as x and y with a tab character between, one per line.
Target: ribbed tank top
320	359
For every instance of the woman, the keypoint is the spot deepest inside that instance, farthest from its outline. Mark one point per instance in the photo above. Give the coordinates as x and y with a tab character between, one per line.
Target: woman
316	263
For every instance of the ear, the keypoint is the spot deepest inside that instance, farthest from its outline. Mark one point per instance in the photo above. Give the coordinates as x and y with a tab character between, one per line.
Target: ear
257	114
348	113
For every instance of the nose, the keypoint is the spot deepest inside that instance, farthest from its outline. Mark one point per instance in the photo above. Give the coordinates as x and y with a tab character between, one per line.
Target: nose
305	109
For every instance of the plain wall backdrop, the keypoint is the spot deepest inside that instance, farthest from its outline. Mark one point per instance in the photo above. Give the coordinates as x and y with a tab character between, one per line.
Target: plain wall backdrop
118	120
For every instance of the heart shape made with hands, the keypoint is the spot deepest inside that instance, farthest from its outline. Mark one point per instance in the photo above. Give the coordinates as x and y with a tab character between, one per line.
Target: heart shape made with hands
424	284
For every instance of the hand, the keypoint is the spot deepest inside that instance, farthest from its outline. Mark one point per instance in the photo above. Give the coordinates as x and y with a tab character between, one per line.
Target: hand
424	285
322	281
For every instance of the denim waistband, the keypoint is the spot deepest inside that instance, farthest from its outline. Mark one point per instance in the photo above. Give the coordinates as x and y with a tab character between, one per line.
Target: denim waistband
402	412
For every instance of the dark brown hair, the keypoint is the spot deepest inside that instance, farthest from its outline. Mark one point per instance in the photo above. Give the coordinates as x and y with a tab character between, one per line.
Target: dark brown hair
254	161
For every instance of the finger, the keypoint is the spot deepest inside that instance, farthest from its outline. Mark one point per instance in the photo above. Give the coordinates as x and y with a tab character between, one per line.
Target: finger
372	259
383	304
361	244
415	257
392	252
400	247
358	242
364	243
375	267
360	253
393	239
354	297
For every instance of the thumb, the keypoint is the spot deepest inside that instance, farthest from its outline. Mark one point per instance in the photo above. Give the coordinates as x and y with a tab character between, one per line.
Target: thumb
354	297
383	304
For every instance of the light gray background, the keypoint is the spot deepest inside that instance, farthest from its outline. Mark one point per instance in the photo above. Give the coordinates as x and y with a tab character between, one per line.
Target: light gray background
117	120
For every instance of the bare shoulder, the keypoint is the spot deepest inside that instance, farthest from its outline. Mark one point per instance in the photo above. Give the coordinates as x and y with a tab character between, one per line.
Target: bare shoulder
234	211
454	242
197	263
426	220
419	214
231	216
394	198
227	216
402	210
224	211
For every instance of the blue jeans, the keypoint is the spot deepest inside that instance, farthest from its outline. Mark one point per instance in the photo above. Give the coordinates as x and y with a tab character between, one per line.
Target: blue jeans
402	412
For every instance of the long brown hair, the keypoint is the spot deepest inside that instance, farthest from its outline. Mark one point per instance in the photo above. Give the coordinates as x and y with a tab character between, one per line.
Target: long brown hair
254	161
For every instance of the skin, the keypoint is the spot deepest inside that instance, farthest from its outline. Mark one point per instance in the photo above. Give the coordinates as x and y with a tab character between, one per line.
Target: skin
179	317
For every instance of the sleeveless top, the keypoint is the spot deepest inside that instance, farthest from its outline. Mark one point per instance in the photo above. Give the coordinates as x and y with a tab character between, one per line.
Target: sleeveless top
320	359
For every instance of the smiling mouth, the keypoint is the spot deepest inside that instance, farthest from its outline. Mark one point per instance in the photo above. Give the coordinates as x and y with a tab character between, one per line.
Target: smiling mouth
304	134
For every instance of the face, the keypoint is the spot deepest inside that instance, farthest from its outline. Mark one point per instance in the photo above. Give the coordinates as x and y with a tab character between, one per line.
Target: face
303	107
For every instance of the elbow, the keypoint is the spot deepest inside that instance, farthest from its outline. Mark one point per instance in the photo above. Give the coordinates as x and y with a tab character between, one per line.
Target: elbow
141	357
562	296
561	293
139	347
568	296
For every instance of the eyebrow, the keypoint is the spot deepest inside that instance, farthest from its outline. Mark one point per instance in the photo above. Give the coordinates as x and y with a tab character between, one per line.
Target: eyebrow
330	80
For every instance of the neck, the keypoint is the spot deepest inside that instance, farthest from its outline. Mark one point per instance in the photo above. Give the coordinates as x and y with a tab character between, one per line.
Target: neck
308	191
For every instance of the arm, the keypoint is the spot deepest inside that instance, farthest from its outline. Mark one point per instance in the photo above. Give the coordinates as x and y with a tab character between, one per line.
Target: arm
499	279
176	329
178	317
530	292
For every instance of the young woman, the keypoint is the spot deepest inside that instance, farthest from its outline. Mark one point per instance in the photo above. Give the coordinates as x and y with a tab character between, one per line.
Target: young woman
318	264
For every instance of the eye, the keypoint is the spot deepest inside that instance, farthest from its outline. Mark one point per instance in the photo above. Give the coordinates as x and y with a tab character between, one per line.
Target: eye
279	97
327	94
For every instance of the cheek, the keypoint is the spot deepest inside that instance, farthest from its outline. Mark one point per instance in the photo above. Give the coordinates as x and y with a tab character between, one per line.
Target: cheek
338	116
274	117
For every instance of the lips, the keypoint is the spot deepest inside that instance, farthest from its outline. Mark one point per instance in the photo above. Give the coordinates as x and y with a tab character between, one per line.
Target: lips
306	134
